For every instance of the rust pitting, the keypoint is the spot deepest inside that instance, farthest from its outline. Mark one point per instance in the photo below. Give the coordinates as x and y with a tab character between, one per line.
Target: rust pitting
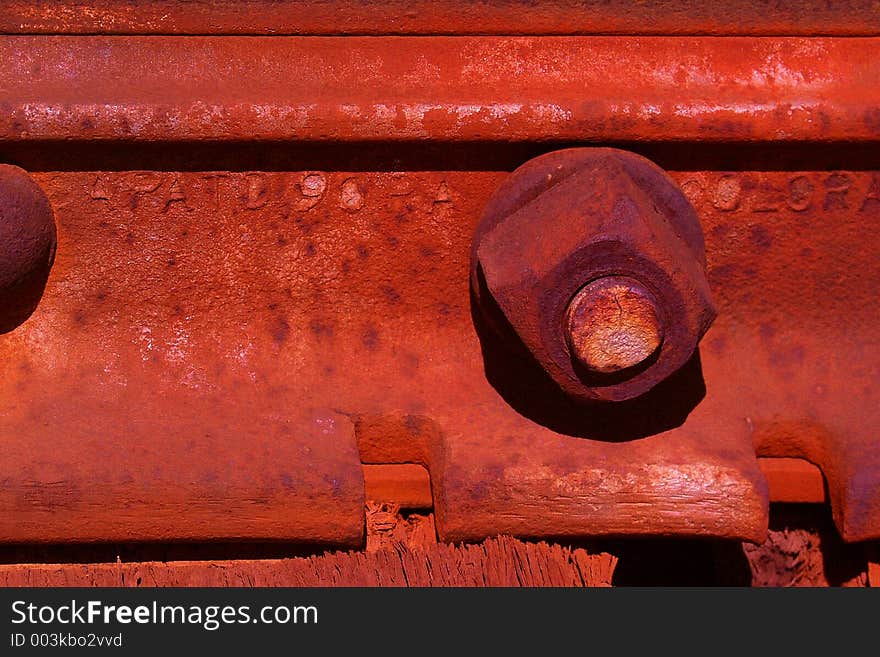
213	363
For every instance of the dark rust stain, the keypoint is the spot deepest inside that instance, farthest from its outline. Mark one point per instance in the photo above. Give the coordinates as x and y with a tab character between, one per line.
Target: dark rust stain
370	338
280	330
761	237
321	328
390	294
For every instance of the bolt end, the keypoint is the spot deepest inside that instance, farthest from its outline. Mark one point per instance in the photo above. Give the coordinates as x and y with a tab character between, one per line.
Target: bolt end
612	325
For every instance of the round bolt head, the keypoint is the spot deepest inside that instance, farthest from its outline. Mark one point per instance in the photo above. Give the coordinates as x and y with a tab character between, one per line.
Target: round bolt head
612	325
27	245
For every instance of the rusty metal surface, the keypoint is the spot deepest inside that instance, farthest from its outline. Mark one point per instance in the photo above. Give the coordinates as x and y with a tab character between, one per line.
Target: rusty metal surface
796	342
585	89
406	485
146	463
362	285
228	330
850	17
134	455
793	480
354	298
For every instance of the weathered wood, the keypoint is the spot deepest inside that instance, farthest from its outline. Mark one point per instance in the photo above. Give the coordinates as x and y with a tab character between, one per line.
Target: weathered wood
501	561
804	548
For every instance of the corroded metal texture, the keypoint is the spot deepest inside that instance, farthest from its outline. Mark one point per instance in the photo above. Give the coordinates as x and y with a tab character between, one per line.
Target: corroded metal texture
850	17
249	295
210	299
795	347
583	89
139	460
27	245
555	233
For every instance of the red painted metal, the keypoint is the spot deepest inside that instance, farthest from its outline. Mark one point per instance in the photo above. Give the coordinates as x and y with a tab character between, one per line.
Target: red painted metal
793	480
585	89
229	329
245	298
796	344
147	339
406	485
138	460
847	17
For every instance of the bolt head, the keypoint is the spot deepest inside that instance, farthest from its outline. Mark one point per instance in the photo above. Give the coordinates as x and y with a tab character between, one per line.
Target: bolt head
27	245
567	219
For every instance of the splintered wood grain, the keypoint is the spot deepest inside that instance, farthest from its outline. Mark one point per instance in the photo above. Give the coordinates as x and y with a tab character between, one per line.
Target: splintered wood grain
804	548
501	561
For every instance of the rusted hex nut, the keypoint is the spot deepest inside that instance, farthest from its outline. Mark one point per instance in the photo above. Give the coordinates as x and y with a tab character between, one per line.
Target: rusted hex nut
592	260
27	245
